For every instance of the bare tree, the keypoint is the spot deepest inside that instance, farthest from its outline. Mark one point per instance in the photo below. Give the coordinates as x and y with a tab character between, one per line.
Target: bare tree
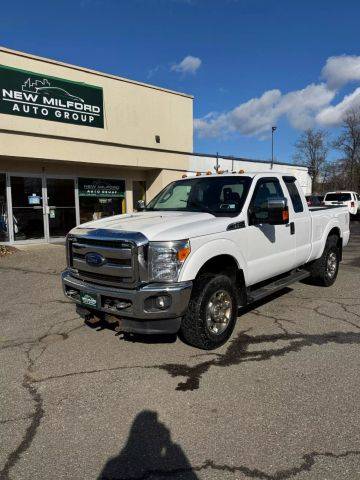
348	142
312	150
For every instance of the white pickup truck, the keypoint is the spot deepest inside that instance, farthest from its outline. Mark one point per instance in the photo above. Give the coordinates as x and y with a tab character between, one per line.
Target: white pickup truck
202	248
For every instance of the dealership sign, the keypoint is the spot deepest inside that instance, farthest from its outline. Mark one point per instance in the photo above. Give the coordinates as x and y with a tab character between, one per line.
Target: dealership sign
29	94
94	187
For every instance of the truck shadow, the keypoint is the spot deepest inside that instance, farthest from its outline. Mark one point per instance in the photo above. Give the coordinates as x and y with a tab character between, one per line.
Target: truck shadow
149	453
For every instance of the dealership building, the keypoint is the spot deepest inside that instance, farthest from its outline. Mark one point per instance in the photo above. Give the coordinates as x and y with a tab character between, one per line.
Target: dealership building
78	145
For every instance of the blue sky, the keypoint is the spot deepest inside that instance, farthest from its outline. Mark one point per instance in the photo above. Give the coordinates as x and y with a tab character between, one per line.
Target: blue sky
253	63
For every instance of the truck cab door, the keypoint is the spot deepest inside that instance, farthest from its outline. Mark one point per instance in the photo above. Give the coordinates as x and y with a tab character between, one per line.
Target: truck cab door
270	249
300	220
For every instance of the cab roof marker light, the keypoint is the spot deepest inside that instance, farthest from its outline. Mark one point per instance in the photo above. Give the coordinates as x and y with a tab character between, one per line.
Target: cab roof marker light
198	174
209	172
241	171
184	176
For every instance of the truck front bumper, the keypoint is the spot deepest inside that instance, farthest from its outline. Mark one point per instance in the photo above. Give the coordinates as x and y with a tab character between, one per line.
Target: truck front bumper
153	308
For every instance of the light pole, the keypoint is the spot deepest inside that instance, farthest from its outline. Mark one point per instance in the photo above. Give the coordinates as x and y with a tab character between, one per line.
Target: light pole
272	146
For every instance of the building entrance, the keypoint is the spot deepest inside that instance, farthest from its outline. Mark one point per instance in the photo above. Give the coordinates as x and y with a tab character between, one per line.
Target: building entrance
61	210
27	208
44	208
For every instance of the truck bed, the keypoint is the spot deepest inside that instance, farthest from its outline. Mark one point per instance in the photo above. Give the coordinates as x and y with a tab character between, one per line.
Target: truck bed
321	217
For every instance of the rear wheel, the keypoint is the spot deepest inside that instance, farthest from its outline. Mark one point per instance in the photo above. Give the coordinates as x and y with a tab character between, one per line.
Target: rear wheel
211	315
325	269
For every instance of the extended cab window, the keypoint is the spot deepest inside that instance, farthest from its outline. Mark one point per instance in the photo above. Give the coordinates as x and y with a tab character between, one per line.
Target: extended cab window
294	194
265	190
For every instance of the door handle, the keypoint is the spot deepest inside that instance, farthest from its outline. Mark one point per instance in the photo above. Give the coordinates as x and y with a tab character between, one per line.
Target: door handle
292	228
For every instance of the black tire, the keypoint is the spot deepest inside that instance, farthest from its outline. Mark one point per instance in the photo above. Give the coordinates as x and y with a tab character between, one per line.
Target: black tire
195	328
320	270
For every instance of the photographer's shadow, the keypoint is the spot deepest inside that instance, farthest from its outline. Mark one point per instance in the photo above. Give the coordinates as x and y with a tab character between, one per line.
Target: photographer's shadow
149	452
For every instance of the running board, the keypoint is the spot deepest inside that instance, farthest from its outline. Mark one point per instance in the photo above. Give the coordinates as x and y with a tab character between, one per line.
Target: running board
262	292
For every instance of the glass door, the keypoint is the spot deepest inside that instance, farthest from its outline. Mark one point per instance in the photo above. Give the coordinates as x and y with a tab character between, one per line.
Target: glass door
27	208
61	208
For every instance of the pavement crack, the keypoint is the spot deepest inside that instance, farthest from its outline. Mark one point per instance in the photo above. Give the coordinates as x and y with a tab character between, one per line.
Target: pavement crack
308	462
277	321
90	372
236	353
29	270
47	338
30	432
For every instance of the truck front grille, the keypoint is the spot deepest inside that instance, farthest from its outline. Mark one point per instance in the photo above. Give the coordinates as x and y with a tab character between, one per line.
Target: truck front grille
119	267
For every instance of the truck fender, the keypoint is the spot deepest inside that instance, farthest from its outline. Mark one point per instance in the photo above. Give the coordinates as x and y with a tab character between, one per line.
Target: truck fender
320	246
208	251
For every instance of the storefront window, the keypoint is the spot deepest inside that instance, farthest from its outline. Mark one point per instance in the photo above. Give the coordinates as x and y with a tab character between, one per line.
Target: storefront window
100	198
4	233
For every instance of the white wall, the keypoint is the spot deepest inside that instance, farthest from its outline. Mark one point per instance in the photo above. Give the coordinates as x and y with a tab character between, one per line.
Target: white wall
203	164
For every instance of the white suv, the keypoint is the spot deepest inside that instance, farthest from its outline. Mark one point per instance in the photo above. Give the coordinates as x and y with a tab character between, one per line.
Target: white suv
345	198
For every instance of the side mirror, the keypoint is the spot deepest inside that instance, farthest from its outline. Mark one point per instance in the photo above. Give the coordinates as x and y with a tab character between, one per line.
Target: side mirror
278	211
140	205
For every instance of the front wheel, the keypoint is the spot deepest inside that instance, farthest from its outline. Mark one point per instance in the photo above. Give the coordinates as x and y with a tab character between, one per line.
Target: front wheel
324	270
212	311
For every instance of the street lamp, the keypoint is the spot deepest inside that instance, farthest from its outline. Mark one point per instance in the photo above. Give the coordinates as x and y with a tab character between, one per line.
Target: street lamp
272	146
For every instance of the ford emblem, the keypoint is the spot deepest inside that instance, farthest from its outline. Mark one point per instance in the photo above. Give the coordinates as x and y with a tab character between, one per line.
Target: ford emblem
94	259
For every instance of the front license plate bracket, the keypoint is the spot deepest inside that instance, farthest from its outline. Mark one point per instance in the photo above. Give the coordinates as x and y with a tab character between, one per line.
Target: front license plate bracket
89	299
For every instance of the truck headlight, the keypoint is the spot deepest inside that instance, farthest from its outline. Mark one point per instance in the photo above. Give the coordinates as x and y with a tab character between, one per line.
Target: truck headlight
166	260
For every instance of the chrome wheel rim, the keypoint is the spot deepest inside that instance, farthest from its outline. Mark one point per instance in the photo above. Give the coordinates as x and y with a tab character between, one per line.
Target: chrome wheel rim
218	312
331	264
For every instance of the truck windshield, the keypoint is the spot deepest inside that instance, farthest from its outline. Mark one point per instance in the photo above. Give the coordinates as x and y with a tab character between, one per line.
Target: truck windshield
220	196
338	197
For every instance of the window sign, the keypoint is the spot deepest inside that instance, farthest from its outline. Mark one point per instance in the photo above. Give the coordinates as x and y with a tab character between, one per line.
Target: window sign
92	187
100	198
34	199
30	94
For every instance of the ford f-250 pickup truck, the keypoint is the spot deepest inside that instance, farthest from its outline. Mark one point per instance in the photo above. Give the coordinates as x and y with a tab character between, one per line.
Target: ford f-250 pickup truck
202	248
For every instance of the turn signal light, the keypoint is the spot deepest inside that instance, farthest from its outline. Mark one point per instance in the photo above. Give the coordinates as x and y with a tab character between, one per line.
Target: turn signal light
285	215
183	253
352	204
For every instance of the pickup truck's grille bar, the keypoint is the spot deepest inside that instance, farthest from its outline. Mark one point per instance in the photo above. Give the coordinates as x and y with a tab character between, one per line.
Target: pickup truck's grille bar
108	243
103	279
110	261
118	264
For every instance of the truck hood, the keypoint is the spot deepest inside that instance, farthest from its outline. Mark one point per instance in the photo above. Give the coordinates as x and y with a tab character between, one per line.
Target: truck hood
163	226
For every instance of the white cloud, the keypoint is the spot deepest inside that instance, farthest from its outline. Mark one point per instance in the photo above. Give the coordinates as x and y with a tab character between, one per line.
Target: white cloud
303	108
333	115
189	64
341	70
258	115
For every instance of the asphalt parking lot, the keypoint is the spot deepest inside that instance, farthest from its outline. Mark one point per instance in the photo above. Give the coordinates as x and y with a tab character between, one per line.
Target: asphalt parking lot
280	401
